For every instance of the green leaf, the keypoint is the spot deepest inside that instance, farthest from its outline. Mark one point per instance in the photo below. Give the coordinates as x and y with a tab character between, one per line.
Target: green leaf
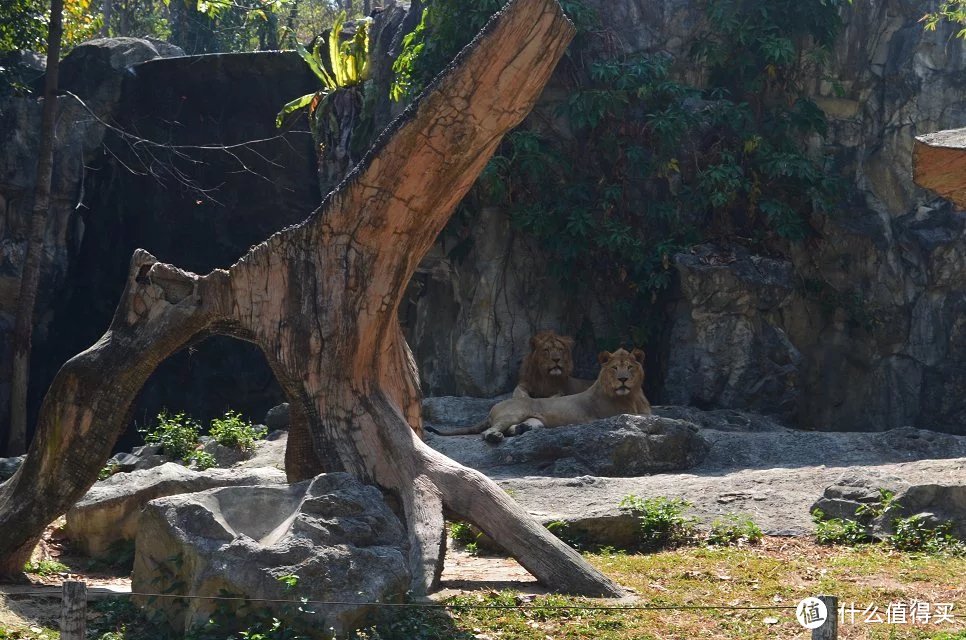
315	65
294	105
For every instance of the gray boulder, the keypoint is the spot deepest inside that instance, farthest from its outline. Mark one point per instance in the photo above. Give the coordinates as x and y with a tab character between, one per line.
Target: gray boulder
109	512
336	534
224	456
456	411
622	446
144	457
277	417
938	501
9	466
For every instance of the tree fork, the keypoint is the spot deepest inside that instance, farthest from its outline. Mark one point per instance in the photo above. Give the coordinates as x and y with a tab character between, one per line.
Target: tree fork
320	299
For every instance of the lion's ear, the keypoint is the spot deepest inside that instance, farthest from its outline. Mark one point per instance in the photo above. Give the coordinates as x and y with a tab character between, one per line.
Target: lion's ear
603	357
568	341
533	341
638	355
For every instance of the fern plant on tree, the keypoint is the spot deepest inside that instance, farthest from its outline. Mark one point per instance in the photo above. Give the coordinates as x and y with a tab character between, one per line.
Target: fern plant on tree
335	110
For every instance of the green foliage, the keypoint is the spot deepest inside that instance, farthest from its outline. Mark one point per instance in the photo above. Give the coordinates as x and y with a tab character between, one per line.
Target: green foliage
883	506
635	165
177	434
232	431
909	534
445	27
914	534
23	25
109	470
249	621
568	534
45	568
734	529
348	62
831	531
466	536
201	459
953	11
661	522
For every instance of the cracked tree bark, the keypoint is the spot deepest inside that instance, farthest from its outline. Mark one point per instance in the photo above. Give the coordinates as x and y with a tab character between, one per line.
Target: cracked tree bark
320	299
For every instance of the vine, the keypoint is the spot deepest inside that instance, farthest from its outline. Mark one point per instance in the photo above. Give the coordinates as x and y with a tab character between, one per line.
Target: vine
634	165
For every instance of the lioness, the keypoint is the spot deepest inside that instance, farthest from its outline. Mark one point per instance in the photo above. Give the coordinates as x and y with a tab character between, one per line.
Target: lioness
545	371
617	390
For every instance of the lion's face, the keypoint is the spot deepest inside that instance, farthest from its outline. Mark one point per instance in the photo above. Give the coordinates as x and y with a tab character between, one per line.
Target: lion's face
552	353
621	372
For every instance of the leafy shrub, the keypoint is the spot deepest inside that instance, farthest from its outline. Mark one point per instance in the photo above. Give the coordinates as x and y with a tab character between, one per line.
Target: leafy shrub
232	431
45	567
914	534
662	525
883	506
845	531
109	470
646	165
349	62
202	459
466	536
733	529
563	530
177	435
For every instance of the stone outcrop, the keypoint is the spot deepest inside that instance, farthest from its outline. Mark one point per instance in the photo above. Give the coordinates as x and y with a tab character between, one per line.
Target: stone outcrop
78	135
9	466
758	468
477	308
855	330
728	345
110	196
109	513
943	500
338	536
622	446
939	164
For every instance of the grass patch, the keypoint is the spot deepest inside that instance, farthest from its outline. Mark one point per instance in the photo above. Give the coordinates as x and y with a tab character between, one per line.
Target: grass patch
776	572
45	568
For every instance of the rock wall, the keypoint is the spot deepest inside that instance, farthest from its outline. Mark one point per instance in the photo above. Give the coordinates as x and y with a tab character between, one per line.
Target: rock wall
863	328
196	207
860	329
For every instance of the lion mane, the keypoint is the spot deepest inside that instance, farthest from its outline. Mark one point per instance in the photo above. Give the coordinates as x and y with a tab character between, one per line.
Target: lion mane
546	370
616	391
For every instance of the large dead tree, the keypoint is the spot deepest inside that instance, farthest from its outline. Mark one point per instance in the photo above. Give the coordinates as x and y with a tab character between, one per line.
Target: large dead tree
939	164
320	300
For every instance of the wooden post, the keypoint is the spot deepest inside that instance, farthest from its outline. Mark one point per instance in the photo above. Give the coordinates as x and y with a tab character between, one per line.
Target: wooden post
829	630
73	611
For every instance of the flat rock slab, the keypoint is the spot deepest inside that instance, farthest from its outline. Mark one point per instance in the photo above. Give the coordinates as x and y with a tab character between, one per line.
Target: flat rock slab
753	466
621	446
108	513
937	501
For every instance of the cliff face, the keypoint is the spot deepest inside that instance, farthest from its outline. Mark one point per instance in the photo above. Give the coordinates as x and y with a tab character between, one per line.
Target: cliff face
862	329
865	329
195	207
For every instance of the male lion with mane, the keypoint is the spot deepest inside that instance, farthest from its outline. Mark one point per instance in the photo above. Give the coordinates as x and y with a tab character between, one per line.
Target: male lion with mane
546	371
616	391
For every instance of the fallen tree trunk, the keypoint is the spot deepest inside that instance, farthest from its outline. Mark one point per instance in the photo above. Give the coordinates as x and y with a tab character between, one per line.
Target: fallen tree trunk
320	300
939	164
